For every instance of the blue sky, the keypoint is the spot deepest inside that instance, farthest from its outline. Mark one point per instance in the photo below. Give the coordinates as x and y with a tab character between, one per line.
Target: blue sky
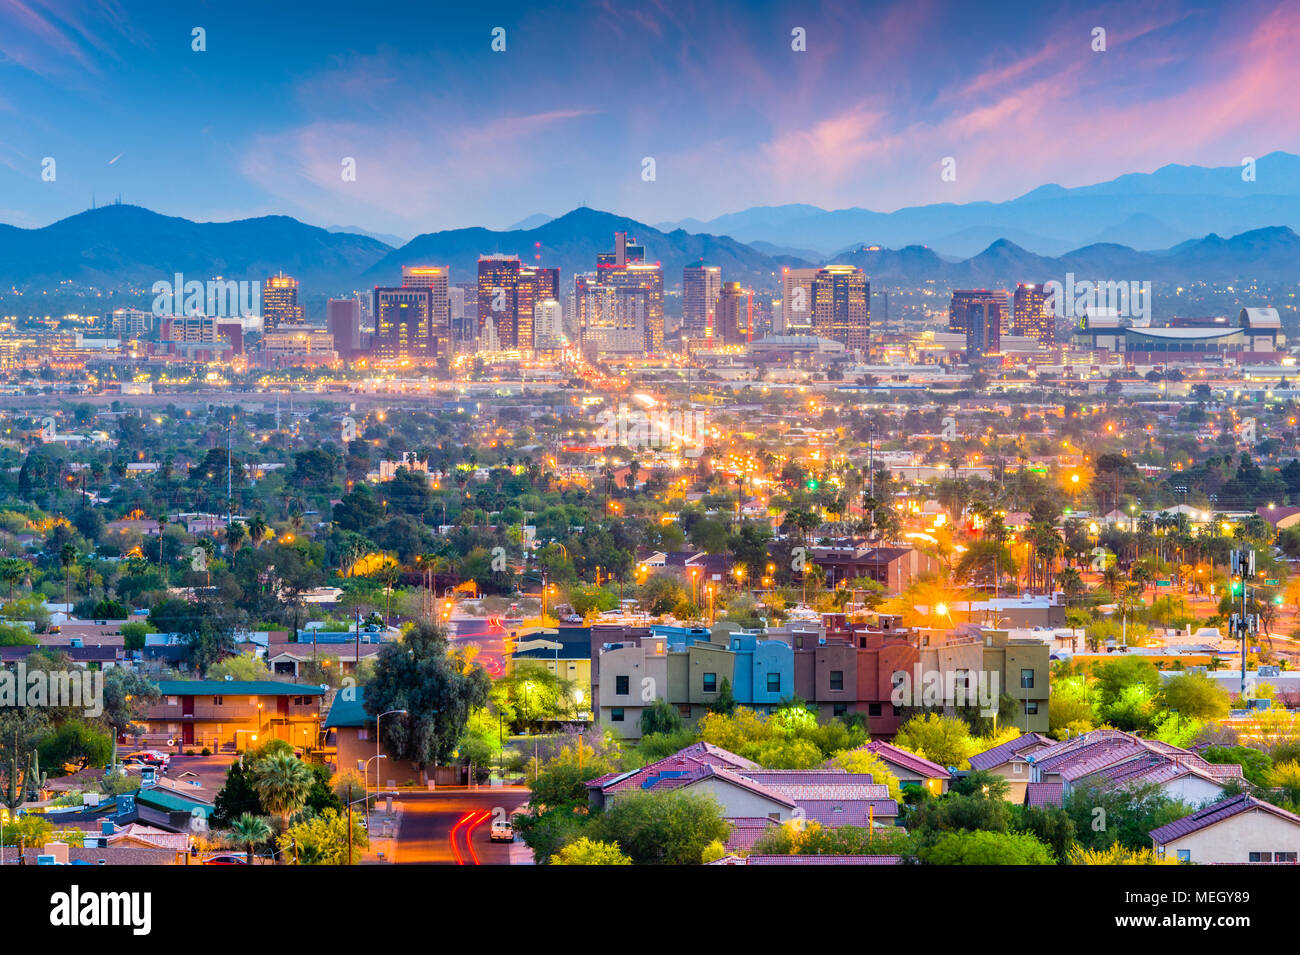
447	133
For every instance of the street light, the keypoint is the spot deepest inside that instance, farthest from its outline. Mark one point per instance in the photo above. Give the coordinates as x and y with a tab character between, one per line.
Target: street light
377	738
365	782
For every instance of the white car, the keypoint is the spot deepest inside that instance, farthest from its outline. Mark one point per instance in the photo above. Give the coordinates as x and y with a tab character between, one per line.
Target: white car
502	831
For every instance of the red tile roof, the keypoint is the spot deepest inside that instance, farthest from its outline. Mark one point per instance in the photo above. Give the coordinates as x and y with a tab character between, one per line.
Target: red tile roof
1044	794
1005	751
823	860
898	756
1216	813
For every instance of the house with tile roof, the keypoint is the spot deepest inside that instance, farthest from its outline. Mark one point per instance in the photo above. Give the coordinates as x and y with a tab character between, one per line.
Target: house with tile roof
911	769
831	797
1009	760
1239	830
1111	758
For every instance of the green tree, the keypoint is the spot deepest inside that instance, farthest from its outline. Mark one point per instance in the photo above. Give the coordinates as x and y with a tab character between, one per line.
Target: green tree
238	797
1195	696
438	689
323	840
660	717
249	832
945	740
668	828
283	783
988	848
585	851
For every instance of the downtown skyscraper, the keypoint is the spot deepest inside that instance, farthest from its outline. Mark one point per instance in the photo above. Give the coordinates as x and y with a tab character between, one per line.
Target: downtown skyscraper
841	307
280	302
701	286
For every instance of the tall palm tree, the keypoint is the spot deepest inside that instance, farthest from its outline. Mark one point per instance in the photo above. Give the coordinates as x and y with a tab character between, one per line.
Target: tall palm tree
250	831
282	783
67	557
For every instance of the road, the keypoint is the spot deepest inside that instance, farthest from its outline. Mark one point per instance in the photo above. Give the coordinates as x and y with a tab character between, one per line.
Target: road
450	826
488	634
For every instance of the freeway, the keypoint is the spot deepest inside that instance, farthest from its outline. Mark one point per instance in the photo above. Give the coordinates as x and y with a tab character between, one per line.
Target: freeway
450	826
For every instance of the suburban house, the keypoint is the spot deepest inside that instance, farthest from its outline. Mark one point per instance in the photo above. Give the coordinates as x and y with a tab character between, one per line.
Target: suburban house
911	769
1010	761
234	715
350	732
1233	831
752	795
565	651
1109	758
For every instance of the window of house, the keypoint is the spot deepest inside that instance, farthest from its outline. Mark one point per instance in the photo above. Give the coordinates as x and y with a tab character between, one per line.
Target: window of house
1261	857
217	701
616	715
710	682
1184	855
363	734
839	709
1026	678
1017	768
1031	707
172	700
1284	857
684	709
837	679
621	685
873	709
774	683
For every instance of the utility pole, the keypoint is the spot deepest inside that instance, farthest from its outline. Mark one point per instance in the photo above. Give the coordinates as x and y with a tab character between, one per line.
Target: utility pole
230	429
1243	565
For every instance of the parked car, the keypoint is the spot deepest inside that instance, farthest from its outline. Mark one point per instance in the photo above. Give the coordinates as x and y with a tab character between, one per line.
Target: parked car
502	831
227	859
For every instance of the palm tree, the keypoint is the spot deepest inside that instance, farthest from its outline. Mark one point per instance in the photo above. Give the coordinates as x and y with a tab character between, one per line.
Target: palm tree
67	557
282	782
257	530
235	535
251	831
12	570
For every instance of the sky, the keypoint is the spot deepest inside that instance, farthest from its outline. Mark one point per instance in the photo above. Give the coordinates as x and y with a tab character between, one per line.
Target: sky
447	133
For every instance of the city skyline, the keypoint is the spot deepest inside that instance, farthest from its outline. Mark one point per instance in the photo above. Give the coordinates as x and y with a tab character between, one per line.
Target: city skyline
446	133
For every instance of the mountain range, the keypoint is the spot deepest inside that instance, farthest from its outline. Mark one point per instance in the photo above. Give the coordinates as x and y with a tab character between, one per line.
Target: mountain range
123	246
1148	211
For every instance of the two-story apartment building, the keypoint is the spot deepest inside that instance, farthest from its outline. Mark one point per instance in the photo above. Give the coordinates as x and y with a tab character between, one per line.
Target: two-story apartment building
234	714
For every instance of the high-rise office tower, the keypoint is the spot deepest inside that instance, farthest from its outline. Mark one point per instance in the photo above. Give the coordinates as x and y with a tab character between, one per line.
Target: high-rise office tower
498	278
735	315
280	302
404	326
841	306
434	278
963	298
615	319
507	294
796	301
626	268
548	326
983	329
1030	315
343	320
701	286
129	323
